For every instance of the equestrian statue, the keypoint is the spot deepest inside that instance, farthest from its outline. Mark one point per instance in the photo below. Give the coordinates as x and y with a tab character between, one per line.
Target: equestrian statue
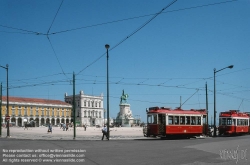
124	97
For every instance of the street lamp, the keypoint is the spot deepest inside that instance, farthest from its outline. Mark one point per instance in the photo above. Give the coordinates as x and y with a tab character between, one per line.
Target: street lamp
231	66
8	121
107	47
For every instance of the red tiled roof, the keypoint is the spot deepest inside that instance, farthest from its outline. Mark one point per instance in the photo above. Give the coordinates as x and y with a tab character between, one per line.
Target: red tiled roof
34	100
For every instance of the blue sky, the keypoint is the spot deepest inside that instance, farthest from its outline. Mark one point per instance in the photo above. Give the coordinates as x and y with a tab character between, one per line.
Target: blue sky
172	56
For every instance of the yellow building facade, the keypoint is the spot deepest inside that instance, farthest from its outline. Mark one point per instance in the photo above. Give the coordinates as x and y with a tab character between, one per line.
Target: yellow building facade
39	111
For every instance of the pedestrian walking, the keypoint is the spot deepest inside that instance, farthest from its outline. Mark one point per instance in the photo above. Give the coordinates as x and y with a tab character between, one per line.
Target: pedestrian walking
64	127
105	132
49	128
25	126
67	126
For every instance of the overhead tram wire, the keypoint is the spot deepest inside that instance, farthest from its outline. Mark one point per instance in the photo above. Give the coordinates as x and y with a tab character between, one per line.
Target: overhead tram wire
15	32
40	84
136	17
105	23
29	31
56	56
138	29
50	41
134	32
55	17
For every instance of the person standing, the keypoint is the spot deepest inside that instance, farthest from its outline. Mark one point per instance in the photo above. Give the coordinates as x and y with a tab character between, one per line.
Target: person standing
104	132
85	127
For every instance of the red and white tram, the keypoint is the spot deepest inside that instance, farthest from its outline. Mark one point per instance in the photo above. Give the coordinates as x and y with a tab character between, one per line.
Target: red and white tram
165	122
233	122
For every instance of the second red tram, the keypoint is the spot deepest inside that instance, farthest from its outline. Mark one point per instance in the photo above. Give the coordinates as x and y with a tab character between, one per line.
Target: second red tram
233	122
165	122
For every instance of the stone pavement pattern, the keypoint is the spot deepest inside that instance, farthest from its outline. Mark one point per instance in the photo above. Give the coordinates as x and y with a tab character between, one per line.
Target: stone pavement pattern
91	133
150	151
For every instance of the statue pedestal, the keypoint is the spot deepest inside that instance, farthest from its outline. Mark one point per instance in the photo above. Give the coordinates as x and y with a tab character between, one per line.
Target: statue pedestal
125	117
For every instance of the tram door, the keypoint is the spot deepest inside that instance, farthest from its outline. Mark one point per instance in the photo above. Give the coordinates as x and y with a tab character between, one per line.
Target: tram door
162	123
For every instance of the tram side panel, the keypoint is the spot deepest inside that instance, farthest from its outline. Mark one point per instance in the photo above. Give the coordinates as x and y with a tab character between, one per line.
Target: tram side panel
184	125
242	126
153	129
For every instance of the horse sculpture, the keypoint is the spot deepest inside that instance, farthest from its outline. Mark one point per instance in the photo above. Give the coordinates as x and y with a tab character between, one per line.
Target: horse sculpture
124	97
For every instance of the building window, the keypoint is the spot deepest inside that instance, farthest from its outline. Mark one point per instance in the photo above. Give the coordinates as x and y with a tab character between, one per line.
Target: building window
100	104
37	113
100	116
13	112
47	112
31	111
19	112
84	113
57	113
25	111
13	106
53	112
62	112
88	103
42	112
84	103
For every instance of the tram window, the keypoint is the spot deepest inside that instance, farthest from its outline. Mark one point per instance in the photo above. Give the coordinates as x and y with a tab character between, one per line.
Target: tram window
182	120
238	121
155	119
223	121
193	120
187	120
159	119
244	122
170	120
198	120
176	119
152	119
234	122
229	121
